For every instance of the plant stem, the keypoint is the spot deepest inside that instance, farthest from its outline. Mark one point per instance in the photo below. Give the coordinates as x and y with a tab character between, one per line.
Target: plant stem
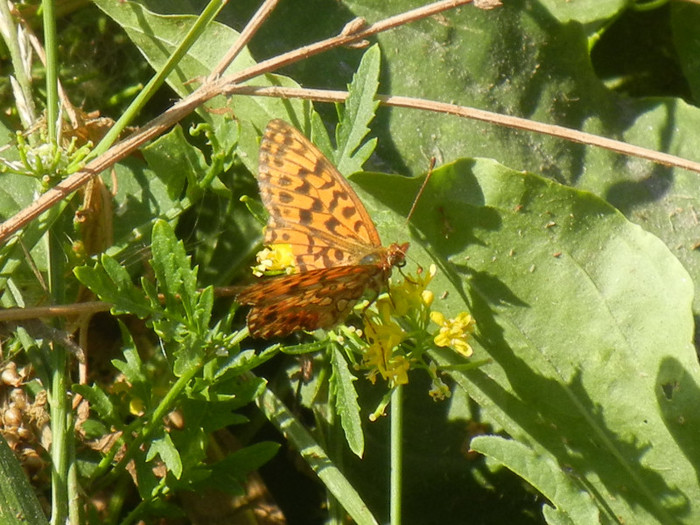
59	431
59	410
156	81
396	454
51	45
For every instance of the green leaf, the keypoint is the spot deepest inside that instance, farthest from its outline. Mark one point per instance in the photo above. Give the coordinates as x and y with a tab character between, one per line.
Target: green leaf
133	368
211	415
233	470
358	113
100	403
163	446
176	280
555	78
175	161
346	405
587	320
112	284
571	504
245	361
203	308
18	502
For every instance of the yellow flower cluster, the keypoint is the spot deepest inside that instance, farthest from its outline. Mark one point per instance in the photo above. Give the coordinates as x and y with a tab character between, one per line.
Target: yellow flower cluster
401	317
384	334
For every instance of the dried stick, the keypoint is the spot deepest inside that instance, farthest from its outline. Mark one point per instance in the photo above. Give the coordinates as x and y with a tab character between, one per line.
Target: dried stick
250	29
572	135
207	91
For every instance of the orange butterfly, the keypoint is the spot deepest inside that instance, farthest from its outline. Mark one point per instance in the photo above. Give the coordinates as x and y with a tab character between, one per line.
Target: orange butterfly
334	242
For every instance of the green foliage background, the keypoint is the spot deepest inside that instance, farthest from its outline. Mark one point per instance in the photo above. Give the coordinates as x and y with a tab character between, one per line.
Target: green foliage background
579	265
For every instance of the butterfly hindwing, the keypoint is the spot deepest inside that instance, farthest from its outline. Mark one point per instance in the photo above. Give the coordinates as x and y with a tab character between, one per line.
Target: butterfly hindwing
307	300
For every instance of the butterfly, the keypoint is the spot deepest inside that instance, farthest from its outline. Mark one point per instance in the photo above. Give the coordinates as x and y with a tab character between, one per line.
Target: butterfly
335	246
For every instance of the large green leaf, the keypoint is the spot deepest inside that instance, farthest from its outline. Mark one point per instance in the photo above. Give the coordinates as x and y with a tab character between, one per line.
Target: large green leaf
587	319
527	59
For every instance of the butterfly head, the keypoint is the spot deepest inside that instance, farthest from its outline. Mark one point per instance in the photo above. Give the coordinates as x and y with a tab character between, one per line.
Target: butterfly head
396	254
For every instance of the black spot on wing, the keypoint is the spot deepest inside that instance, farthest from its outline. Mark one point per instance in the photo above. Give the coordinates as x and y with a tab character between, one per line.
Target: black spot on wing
305	217
332	224
338	195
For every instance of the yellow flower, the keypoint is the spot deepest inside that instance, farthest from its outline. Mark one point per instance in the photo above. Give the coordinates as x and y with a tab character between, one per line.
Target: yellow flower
454	333
383	335
411	292
276	259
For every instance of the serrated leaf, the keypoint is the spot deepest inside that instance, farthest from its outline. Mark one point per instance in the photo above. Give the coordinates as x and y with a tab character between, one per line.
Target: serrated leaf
245	361
132	367
163	446
210	415
346	405
359	110
176	280
203	309
112	284
100	403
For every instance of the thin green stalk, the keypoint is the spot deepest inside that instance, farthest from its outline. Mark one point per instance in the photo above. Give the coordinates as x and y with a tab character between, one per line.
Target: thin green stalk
335	444
396	453
149	89
59	452
21	75
51	44
74	503
58	399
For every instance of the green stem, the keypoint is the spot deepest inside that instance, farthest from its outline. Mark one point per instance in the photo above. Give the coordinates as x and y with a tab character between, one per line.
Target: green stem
396	453
59	444
58	397
154	84
74	503
51	44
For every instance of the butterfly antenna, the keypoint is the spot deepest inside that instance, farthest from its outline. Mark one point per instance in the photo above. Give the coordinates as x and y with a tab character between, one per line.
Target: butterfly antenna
422	188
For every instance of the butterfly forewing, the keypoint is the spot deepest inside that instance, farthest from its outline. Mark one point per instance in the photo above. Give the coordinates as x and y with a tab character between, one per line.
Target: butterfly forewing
312	207
336	247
